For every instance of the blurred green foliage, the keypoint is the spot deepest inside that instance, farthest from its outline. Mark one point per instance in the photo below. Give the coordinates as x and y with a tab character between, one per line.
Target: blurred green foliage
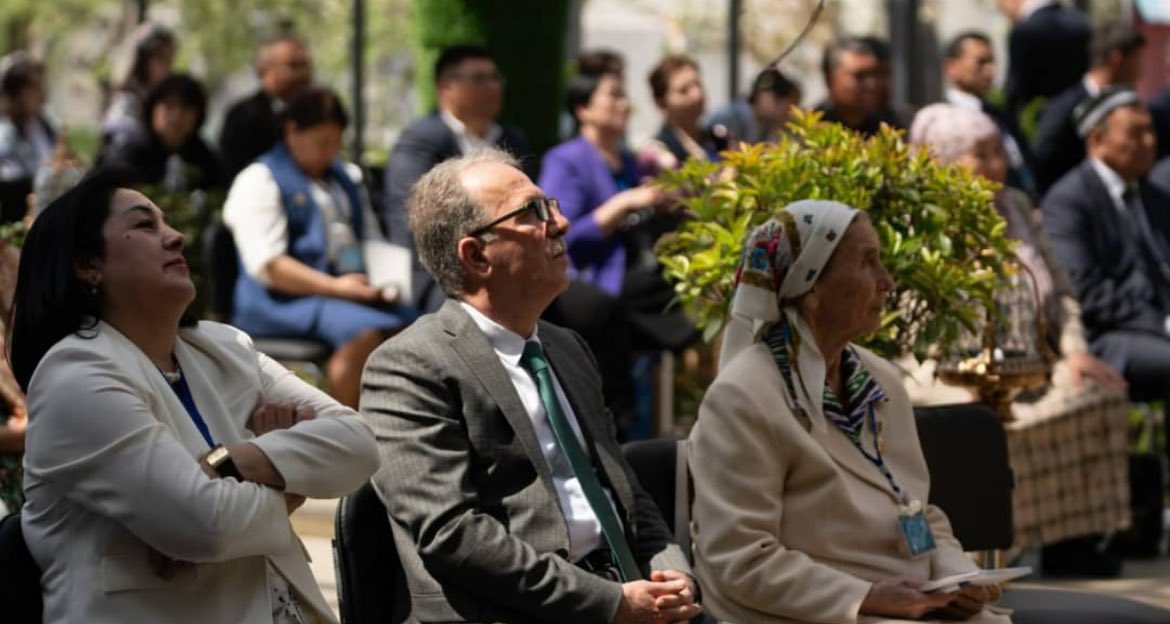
942	239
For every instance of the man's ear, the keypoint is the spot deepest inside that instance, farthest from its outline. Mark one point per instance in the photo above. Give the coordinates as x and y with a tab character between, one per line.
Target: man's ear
473	258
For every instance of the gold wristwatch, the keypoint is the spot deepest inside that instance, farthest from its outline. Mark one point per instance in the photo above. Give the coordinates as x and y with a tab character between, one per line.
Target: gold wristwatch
221	462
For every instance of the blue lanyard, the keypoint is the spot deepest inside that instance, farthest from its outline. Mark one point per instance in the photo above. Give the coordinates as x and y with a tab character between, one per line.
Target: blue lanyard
876	459
184	394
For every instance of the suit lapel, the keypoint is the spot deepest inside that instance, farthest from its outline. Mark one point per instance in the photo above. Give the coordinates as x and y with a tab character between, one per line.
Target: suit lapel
589	411
476	352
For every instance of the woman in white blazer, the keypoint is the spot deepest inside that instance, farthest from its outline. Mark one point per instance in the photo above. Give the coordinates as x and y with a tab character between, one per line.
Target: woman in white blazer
810	486
163	455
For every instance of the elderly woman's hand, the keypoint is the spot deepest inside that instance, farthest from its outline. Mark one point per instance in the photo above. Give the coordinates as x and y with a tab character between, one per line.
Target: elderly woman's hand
901	598
967	602
1081	365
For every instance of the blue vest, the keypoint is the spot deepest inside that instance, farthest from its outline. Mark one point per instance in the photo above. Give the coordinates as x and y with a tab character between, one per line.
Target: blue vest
261	311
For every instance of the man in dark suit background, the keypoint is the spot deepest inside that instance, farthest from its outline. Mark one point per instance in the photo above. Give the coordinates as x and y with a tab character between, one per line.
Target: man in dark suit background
507	493
852	69
1047	50
1110	230
1114	59
969	67
252	125
470	93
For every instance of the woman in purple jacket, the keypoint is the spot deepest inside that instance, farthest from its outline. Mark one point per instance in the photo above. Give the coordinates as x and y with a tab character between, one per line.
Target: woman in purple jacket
616	215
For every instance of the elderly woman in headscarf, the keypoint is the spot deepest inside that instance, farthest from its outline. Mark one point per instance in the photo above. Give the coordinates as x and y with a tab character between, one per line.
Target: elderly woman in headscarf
971	139
810	487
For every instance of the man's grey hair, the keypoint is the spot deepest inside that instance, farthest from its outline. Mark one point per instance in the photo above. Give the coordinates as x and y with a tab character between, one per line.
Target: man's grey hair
442	212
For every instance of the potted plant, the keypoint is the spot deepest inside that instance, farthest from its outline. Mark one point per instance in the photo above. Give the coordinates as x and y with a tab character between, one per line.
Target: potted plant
942	239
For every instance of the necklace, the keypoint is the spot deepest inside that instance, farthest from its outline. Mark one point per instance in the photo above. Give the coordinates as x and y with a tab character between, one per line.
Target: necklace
173	377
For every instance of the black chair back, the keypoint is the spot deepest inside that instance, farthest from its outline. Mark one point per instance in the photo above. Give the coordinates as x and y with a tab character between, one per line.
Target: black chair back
222	263
661	468
370	578
20	577
970	477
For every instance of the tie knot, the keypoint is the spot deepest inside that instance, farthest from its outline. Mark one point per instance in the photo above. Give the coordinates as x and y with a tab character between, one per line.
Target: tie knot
533	357
1129	195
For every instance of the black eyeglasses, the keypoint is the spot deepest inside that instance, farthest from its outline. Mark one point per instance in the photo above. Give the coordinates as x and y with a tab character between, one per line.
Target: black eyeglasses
545	209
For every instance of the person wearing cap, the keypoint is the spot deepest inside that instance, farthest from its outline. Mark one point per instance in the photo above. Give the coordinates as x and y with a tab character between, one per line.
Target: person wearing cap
760	117
1109	229
1114	59
810	485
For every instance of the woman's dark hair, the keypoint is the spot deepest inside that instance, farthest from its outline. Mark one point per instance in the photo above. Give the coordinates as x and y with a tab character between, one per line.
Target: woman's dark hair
659	77
51	302
22	71
580	90
182	86
154	40
313	106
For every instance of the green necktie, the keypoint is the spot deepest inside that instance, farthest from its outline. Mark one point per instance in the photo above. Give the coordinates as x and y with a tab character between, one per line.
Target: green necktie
533	361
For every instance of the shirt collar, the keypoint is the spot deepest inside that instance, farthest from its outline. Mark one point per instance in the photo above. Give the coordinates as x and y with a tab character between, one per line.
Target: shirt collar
1031	6
962	99
1113	182
508	344
1091	85
491	137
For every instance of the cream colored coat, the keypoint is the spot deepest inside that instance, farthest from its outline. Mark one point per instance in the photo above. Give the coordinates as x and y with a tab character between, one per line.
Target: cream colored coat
793	524
111	473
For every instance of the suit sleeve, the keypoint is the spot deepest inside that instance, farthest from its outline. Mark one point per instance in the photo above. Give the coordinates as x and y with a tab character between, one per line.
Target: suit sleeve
737	512
93	438
233	142
326	457
426	485
413	155
1055	146
1105	301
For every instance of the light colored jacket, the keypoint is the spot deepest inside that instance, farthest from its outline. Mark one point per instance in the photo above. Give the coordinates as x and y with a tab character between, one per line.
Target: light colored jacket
111	472
792	524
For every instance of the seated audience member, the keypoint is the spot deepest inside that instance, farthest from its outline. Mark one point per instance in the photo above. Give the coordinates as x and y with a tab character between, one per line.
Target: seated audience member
26	137
170	152
678	92
1114	60
470	92
1046	50
1109	229
618	300
1080	381
760	117
521	507
810	487
898	115
853	75
300	218
13	407
148	58
252	125
969	68
138	415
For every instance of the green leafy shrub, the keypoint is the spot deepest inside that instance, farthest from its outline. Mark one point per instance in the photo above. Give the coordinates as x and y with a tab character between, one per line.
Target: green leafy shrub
942	239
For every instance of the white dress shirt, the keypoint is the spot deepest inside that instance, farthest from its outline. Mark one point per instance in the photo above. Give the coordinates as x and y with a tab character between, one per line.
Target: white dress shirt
468	141
962	99
258	221
584	529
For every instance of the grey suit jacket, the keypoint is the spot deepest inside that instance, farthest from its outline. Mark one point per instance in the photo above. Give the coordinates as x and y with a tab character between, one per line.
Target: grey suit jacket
470	497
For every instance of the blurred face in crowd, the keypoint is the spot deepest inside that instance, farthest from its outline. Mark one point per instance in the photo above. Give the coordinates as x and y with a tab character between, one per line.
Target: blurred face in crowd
1125	141
974	70
684	101
472	90
608	109
173	121
313	148
143	259
772	110
849	297
521	258
1125	67
986	158
853	83
285	67
160	64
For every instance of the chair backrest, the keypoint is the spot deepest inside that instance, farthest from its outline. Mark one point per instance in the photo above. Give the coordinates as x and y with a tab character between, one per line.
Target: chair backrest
222	265
20	577
369	574
661	468
970	477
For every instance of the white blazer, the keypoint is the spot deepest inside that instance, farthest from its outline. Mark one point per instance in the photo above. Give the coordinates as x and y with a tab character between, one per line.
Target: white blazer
792	524
111	472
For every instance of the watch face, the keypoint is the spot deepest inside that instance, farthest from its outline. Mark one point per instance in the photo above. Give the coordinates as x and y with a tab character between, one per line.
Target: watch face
217	456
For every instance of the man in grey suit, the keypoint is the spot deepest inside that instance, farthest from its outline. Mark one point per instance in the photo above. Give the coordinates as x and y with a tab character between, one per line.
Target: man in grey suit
507	492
